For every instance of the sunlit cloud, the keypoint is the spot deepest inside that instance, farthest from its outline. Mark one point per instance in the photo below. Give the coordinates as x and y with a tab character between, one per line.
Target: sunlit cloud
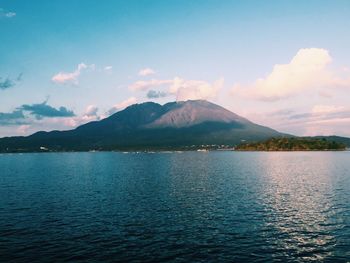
71	77
146	72
326	109
91	110
122	105
23	129
195	89
319	120
307	71
90	114
181	89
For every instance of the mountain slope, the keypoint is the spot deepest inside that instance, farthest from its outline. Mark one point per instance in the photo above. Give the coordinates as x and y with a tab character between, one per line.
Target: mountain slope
189	113
149	126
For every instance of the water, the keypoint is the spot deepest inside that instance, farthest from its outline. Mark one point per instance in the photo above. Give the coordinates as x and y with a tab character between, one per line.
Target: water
175	207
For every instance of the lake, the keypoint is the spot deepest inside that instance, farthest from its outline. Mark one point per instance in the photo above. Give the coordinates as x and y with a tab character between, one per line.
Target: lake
175	207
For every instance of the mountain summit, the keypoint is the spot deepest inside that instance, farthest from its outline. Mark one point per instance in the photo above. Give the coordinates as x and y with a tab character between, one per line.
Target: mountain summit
149	126
189	113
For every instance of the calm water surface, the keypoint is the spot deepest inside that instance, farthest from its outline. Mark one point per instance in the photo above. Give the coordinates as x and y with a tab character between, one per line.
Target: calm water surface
175	207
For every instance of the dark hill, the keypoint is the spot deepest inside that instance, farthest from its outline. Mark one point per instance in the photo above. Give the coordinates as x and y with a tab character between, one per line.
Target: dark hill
293	144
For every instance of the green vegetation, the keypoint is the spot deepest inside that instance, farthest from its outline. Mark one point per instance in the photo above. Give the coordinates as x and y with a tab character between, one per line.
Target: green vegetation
293	144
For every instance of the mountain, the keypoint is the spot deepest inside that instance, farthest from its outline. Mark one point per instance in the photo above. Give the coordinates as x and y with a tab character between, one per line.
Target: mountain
149	126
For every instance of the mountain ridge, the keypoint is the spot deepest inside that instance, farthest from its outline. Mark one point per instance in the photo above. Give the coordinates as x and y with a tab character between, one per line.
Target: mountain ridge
174	125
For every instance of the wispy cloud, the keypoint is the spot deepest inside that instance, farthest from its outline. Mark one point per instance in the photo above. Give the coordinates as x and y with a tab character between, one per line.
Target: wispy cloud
322	112
6	14
9	83
6	83
146	72
71	77
182	89
319	120
308	70
323	120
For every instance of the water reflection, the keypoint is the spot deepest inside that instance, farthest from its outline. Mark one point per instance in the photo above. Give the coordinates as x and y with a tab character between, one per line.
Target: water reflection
299	204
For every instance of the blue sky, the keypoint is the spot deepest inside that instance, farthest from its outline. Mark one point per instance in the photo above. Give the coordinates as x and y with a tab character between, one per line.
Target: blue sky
80	60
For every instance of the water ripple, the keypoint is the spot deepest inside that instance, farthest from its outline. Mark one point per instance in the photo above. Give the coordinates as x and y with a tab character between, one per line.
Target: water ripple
190	207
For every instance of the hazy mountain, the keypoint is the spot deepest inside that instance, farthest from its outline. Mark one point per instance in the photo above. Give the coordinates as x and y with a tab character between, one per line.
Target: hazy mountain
149	125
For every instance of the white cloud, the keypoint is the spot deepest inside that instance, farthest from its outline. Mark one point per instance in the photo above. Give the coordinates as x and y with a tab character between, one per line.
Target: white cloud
122	105
108	68
146	72
182	89
72	77
6	14
195	89
308	70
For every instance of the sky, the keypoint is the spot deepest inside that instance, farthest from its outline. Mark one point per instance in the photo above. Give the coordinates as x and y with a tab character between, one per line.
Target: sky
283	64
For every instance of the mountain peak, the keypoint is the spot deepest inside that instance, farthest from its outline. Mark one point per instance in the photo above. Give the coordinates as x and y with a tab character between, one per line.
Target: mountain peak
192	112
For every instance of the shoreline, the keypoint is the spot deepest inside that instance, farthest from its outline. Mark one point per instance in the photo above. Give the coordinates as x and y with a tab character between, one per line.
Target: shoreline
172	151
